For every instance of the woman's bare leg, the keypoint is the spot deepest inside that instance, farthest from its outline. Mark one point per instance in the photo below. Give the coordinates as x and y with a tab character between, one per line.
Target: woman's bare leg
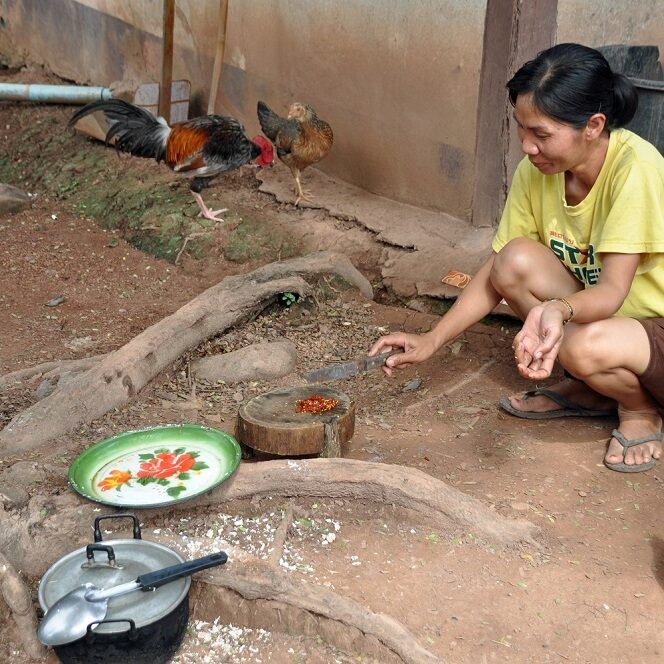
610	356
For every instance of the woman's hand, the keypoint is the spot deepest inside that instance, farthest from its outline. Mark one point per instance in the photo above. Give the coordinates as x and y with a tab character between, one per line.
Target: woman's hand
537	344
417	348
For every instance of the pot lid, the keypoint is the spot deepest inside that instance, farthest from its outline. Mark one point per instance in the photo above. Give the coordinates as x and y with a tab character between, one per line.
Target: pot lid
133	557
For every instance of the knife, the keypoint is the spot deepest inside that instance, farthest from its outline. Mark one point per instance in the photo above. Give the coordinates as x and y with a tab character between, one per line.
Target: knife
348	369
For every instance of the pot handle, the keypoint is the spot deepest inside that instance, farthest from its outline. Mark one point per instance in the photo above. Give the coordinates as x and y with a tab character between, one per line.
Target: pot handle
89	554
90	635
99	519
153	580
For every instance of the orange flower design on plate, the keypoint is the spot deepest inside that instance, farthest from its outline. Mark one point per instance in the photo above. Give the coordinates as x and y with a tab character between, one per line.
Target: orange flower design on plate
162	467
114	480
166	464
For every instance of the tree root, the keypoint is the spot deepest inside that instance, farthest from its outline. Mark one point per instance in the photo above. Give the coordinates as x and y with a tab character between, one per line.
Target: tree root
269	595
17	596
380	483
48	370
120	375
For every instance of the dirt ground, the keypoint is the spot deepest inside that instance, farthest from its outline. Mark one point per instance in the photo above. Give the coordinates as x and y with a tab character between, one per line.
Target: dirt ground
590	591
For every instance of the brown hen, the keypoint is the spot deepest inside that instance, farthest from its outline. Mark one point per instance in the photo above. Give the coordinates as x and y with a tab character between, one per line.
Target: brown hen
301	139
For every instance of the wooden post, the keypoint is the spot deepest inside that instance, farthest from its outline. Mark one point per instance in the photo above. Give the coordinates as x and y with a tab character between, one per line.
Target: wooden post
219	55
514	31
167	60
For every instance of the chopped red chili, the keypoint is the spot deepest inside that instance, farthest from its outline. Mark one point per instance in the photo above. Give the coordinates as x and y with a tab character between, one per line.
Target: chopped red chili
315	404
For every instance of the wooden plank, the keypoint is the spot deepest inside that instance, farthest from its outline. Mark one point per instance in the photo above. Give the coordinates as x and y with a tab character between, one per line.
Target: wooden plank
219	55
167	60
491	143
514	31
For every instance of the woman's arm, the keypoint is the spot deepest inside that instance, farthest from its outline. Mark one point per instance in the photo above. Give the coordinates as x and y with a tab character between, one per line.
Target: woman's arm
539	340
476	300
603	300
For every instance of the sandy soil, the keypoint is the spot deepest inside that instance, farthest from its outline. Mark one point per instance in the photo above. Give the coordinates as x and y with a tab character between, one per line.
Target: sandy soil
590	592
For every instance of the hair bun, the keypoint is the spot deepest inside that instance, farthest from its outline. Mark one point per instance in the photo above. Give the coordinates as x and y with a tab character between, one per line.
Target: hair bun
626	100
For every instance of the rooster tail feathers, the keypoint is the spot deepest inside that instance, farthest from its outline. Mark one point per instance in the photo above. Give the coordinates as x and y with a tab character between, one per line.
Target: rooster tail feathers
134	129
269	121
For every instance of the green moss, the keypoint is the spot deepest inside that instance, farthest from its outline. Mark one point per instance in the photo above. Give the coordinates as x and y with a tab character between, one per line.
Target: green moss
253	240
139	204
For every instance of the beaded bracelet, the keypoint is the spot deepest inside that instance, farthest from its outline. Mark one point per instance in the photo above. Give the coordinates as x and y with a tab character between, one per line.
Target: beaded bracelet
566	303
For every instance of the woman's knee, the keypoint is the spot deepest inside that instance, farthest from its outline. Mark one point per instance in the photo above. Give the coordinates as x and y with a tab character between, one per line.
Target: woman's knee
515	262
583	351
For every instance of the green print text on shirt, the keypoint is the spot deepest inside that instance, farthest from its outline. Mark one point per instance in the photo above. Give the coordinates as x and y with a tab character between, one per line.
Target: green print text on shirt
579	262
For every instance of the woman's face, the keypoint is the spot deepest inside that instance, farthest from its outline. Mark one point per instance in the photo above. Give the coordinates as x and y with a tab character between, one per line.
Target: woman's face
551	146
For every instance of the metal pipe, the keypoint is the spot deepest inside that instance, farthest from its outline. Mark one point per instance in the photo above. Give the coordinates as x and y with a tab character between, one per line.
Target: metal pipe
56	94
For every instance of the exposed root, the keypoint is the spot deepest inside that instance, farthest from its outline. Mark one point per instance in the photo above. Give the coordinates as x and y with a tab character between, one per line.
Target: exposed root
377	482
48	370
275	597
17	596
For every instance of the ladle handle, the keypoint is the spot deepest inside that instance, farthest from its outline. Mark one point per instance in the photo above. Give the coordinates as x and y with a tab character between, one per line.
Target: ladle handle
161	577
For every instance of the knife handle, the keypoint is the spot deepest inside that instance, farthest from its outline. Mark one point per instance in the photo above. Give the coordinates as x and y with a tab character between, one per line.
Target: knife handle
379	360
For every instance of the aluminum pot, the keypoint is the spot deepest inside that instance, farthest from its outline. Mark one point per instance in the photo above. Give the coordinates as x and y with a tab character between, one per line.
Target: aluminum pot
140	627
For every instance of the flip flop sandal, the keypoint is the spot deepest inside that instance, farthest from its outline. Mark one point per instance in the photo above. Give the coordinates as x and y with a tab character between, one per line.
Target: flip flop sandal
569	408
623	467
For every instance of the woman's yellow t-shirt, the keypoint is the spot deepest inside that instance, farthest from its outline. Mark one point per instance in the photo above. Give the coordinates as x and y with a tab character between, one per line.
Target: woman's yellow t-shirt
623	213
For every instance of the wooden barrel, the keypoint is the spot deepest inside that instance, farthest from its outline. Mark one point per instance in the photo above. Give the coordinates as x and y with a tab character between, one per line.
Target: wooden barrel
270	423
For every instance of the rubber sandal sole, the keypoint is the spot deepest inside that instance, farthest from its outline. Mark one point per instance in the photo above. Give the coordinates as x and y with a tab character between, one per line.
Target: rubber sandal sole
622	467
570	409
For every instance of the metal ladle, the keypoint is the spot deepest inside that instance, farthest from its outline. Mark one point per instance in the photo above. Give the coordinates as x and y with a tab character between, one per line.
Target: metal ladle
68	619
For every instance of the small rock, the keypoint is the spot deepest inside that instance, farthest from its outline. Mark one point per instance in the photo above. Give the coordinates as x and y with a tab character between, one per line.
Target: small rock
45	388
56	301
520	507
12	199
262	361
78	343
412	385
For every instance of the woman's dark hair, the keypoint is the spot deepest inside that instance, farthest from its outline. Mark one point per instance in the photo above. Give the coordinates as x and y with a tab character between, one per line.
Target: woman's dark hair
571	82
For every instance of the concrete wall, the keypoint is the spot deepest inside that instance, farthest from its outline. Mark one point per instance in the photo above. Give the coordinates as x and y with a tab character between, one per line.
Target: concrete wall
603	22
398	80
101	41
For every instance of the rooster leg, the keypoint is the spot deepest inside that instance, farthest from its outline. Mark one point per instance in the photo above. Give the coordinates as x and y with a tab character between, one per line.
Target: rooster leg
301	195
205	211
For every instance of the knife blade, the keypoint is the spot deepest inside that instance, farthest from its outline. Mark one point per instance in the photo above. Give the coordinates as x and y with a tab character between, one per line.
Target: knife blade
348	369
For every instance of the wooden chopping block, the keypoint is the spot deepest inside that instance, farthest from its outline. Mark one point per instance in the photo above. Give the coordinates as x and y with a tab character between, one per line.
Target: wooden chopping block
270	423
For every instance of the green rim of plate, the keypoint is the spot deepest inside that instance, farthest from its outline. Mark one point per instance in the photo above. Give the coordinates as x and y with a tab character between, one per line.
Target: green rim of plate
204	458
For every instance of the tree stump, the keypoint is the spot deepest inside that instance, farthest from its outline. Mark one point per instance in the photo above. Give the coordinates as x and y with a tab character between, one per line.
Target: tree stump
270	423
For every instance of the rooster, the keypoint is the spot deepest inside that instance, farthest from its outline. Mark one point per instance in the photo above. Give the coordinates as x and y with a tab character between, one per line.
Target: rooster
301	139
200	148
